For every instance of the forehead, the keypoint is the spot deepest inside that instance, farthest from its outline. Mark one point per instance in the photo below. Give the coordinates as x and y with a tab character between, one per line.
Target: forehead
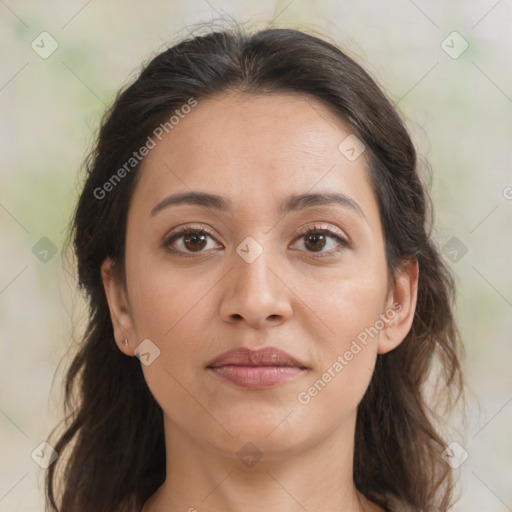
228	126
254	148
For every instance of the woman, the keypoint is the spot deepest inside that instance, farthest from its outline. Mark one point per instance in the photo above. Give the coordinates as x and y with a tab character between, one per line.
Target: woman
266	303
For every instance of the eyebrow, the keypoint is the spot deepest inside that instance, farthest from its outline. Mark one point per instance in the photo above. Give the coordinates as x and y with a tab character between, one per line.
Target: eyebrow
292	203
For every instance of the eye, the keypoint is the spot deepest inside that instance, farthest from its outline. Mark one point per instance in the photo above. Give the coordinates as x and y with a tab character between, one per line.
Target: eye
186	241
189	240
316	239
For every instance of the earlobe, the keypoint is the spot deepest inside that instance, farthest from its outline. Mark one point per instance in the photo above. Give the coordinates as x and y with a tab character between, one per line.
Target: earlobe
400	308
120	313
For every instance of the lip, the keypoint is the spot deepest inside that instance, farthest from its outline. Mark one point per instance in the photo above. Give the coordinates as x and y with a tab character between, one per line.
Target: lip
256	369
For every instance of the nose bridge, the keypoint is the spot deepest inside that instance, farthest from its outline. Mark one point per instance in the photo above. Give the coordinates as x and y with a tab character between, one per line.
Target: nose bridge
253	273
255	292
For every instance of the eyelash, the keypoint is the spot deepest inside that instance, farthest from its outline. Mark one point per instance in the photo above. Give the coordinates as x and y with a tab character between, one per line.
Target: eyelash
186	230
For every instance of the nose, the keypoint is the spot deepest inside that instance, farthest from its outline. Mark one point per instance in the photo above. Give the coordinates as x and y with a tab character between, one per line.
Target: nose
256	294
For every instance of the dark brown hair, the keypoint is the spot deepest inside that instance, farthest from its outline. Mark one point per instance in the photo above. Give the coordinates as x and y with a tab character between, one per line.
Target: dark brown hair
112	464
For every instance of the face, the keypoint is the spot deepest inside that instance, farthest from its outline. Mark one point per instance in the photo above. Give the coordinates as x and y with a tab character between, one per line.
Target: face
269	269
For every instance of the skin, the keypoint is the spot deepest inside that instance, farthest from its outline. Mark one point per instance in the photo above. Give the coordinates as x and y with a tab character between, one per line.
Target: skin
257	150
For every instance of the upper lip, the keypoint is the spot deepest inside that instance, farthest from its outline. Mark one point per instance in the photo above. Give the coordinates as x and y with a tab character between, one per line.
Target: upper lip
268	356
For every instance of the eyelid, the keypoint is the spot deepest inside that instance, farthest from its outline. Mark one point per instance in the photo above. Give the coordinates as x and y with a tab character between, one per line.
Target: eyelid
326	227
182	230
187	227
343	241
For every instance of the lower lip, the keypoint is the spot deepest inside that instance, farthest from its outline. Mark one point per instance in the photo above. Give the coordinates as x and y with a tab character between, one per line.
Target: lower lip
257	377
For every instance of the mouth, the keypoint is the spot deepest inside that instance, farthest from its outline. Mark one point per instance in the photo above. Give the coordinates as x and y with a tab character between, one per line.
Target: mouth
256	369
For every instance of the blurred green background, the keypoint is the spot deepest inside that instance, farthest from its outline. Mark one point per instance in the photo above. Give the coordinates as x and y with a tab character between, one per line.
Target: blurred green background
454	90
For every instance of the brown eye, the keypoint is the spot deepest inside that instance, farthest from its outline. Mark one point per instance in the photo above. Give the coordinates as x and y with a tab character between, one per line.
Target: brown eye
315	241
194	242
187	241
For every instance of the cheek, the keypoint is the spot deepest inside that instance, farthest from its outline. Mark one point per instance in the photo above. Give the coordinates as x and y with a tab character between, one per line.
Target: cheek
346	358
355	310
350	309
173	313
174	310
164	299
348	301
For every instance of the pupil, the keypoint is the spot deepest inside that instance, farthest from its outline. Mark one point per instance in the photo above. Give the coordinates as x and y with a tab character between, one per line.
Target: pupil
317	237
194	238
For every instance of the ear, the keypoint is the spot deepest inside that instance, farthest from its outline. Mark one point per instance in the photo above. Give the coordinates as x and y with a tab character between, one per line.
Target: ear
120	311
400	307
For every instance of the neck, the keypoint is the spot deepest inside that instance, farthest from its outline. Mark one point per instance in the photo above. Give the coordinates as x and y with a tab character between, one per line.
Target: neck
316	478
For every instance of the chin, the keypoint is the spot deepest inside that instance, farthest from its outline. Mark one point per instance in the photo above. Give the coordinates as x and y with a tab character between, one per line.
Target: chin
275	433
